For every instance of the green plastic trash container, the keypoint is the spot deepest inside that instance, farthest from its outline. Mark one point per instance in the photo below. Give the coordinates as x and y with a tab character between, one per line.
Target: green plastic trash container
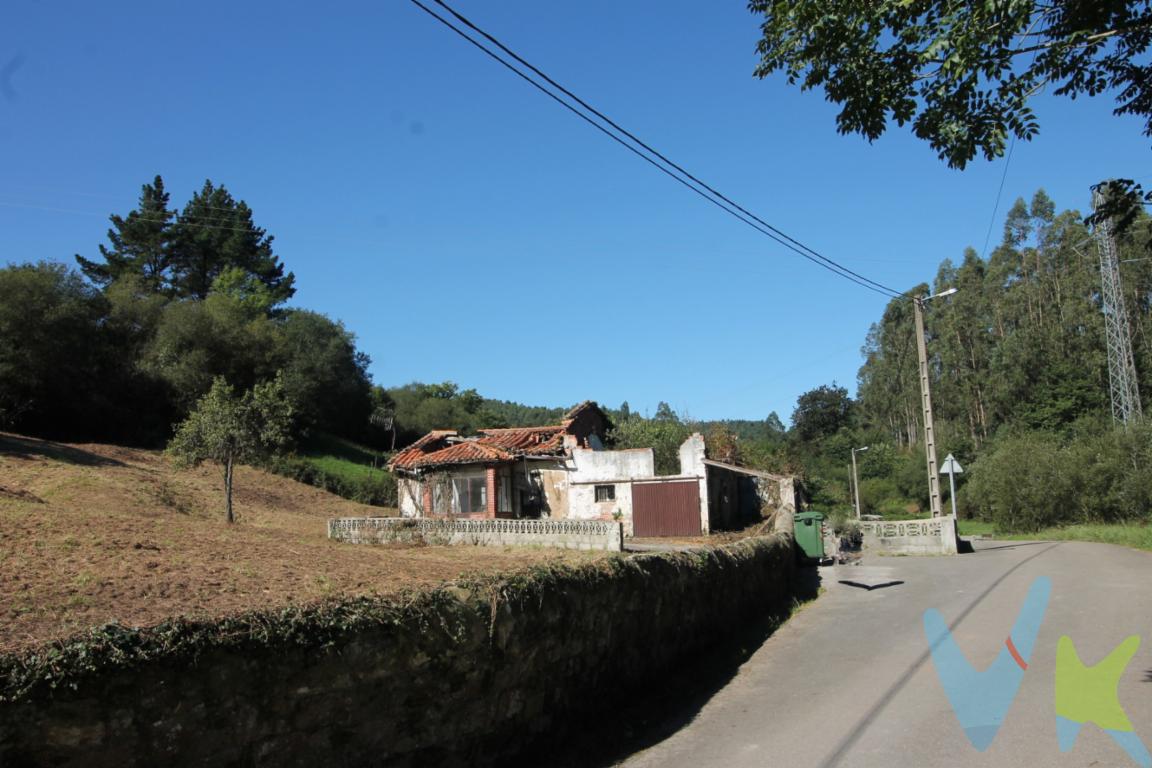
810	534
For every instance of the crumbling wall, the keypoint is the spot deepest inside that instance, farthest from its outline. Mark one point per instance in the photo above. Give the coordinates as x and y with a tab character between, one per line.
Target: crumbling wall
553	492
779	496
692	455
409	491
591	468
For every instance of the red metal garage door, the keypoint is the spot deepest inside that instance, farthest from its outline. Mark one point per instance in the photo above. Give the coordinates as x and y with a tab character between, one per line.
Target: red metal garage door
666	509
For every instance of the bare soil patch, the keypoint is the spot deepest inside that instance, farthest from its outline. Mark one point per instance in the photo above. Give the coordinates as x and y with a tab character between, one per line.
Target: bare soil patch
98	534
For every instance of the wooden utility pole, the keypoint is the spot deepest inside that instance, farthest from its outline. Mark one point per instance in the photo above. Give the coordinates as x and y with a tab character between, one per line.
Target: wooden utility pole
929	428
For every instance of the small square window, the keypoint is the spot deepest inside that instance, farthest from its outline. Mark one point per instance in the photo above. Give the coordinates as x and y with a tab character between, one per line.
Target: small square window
605	493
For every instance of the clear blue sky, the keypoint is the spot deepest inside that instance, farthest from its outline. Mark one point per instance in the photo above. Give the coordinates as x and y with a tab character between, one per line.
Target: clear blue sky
466	228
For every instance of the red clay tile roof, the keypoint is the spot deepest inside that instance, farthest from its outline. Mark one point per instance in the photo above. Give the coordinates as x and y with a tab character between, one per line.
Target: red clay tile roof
533	441
433	436
431	442
492	446
467	452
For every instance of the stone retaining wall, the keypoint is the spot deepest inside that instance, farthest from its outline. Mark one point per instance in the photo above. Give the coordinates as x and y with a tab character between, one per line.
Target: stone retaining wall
565	534
457	677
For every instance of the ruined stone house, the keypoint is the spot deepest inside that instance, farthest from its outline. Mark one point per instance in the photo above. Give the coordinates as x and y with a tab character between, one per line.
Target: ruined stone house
564	471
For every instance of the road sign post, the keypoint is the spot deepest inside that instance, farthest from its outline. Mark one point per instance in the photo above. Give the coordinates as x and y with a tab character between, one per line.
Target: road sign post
951	467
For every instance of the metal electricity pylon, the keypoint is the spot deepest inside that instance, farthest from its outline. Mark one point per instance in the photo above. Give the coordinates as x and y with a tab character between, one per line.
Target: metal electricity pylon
1122	382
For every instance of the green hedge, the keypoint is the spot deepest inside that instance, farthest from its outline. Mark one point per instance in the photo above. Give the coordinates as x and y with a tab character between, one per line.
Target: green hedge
1028	481
377	488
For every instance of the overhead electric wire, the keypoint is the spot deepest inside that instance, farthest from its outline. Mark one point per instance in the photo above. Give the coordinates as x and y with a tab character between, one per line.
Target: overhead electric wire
649	148
145	217
834	268
999	192
691	182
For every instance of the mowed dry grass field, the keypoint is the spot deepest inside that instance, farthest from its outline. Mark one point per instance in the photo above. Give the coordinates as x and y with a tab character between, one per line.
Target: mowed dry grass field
99	534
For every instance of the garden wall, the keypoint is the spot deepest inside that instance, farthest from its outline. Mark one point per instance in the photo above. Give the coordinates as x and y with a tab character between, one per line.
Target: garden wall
564	534
912	537
471	675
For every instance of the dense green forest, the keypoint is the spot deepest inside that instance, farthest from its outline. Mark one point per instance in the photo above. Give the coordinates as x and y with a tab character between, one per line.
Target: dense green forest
174	300
1019	378
418	408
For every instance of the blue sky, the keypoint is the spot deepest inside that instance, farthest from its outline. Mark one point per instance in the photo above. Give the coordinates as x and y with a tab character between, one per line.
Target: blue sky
467	228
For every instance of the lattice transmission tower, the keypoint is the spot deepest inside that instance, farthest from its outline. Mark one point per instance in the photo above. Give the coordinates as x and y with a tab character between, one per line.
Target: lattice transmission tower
1122	382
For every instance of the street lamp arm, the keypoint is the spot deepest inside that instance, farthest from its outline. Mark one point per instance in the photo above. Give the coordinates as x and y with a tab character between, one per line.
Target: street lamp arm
940	295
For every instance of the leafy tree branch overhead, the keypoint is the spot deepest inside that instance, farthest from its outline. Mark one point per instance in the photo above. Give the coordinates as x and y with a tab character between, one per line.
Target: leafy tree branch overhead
961	73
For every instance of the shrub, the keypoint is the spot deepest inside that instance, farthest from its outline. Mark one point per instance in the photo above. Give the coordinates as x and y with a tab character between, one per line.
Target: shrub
377	488
1034	480
897	509
877	493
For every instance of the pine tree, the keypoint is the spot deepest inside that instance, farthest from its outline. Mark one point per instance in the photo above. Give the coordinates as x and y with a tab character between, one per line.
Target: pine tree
139	243
215	232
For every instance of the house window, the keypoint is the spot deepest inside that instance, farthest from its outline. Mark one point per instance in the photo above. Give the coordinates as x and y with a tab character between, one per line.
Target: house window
605	493
469	494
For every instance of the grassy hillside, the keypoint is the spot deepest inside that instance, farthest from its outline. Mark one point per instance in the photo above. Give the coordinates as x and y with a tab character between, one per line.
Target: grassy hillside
341	467
342	458
95	534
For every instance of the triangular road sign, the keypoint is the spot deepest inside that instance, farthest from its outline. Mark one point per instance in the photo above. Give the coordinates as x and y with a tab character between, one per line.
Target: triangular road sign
951	466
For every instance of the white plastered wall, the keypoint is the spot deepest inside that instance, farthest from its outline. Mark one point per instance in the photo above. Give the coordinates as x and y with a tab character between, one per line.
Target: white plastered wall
591	468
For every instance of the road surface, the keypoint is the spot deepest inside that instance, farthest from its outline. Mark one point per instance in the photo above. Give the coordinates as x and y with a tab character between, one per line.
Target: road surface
849	680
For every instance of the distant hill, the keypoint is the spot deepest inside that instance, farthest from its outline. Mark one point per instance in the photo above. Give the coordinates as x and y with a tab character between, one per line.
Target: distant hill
512	414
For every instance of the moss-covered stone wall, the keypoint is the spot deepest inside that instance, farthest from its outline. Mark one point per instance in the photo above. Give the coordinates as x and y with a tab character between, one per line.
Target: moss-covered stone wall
471	675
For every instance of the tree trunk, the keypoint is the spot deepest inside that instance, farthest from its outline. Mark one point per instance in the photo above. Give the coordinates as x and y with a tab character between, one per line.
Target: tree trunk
228	491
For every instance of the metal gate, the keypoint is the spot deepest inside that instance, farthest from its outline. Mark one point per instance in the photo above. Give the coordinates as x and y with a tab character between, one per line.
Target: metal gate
666	509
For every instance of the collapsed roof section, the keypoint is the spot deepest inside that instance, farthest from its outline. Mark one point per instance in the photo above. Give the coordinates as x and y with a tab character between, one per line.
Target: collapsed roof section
442	448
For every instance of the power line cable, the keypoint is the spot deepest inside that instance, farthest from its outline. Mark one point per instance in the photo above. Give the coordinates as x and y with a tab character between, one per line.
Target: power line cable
79	193
692	182
645	145
635	151
139	217
999	192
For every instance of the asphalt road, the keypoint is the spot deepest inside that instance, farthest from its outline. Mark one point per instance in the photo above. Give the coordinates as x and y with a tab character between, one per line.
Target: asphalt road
849	680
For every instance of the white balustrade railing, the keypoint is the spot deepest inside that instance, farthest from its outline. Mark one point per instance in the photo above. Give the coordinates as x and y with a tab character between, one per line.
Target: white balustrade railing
572	534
